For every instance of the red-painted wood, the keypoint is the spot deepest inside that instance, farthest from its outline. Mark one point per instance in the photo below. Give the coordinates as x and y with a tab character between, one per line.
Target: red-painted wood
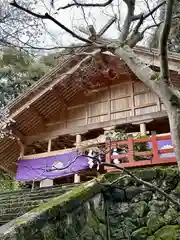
132	163
154	149
130	150
108	151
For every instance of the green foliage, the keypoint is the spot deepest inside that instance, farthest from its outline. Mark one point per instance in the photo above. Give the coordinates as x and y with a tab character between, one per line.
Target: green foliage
7	183
138	147
19	70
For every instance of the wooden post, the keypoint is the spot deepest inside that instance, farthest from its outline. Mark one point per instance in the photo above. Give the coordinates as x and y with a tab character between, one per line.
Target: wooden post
22	148
77	178
78	140
47	182
49	145
130	149
108	143
154	147
108	150
143	129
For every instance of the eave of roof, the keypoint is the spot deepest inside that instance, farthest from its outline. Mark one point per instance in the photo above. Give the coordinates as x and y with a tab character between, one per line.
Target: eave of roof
47	77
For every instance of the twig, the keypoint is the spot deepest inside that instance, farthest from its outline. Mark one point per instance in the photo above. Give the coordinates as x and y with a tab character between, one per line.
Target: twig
49	17
139	180
145	183
142	17
77	4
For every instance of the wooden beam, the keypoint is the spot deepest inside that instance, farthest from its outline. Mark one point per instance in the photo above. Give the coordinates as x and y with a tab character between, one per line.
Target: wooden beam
18	134
93	142
151	57
22	148
50	87
58	97
46	154
147	121
39	116
100	125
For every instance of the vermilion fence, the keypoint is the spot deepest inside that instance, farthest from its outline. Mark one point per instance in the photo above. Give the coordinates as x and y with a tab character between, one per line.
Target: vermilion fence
152	156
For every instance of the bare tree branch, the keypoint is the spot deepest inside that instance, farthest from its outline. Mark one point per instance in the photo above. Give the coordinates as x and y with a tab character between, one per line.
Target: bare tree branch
154	9
150	12
119	167
128	19
142	17
47	16
77	4
105	28
147	184
164	40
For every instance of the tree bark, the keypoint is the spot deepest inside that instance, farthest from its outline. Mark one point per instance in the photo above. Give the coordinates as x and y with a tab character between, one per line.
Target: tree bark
146	75
174	122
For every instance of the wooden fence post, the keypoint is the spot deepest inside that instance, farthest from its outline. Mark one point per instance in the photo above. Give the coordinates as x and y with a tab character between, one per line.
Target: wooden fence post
154	148
108	152
130	149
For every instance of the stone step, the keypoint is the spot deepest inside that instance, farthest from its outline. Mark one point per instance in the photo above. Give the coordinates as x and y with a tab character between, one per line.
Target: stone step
17	203
18	209
36	190
10	216
2	222
30	196
22	204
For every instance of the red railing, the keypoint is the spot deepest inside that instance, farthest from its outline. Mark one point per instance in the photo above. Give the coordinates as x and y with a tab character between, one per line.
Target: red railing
129	159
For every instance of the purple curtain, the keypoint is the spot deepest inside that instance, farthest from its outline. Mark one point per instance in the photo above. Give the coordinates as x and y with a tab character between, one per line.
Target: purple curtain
51	167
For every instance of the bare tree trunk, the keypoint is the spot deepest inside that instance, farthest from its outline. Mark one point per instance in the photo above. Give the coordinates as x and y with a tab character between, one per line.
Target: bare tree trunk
174	122
170	100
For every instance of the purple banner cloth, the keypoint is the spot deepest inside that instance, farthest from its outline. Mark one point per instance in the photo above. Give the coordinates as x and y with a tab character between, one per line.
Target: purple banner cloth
46	167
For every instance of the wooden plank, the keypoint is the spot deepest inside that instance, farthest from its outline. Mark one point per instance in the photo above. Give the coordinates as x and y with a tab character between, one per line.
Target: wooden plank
144	163
18	133
130	149
165	137
62	77
155	148
169	150
47	154
146	153
108	152
58	97
109	104
39	116
122	121
132	98
22	148
158	103
151	57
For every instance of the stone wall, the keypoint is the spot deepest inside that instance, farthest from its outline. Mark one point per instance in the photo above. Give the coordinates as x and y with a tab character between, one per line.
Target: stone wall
92	211
139	213
78	214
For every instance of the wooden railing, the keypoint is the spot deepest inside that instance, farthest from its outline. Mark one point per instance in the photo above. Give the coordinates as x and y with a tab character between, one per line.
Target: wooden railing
149	157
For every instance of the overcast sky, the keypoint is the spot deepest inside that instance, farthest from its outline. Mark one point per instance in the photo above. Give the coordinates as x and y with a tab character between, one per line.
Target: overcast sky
74	19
